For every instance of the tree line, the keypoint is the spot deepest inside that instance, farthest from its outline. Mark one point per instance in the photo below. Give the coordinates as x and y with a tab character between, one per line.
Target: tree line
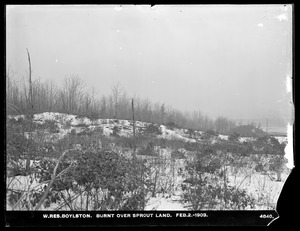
73	97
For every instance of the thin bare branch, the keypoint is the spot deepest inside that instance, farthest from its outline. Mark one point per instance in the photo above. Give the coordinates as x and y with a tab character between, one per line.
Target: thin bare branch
52	179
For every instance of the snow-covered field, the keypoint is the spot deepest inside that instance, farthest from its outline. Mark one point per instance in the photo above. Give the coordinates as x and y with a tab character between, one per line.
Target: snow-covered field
67	123
263	187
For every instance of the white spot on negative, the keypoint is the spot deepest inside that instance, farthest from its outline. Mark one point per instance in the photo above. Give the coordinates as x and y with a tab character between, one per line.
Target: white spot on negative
288	84
282	17
260	25
289	147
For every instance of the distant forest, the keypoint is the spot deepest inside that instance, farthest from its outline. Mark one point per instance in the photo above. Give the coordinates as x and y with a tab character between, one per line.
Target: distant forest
27	97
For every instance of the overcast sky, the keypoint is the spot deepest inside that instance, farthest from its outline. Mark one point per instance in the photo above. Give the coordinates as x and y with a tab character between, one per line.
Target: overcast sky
222	60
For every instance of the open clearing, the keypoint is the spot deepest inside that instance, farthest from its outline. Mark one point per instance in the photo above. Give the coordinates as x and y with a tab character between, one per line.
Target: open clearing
158	170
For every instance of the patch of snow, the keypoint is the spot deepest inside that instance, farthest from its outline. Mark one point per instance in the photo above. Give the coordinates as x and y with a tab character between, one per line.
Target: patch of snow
281	139
81	121
163	204
168	204
27	134
125	122
22	163
223	137
246	139
170	134
125	133
261	187
107	131
67	122
23	183
48	116
214	141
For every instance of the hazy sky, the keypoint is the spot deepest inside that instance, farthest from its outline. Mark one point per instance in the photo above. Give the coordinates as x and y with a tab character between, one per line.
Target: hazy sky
221	59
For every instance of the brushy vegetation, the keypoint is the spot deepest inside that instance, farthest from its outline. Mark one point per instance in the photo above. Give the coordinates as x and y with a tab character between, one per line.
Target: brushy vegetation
92	177
248	130
207	186
85	170
152	130
100	172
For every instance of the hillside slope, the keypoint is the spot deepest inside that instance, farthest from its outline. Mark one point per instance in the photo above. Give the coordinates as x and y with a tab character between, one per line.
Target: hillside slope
167	152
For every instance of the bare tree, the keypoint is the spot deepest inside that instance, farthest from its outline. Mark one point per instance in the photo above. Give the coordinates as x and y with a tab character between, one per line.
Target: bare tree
124	106
169	115
87	104
116	93
29	154
9	77
71	94
30	83
223	125
162	113
71	98
110	107
12	92
103	110
51	95
156	113
133	120
197	120
146	114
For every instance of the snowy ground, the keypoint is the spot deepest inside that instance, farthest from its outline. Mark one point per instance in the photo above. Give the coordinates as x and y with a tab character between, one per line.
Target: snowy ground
67	123
260	186
165	202
263	187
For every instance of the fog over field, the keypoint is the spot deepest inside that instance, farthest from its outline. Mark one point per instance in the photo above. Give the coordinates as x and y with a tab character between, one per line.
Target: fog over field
224	60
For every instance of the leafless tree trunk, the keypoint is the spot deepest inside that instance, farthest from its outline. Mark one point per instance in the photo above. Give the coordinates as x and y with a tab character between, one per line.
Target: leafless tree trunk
30	84
72	94
116	92
29	154
9	77
133	121
103	110
51	93
162	113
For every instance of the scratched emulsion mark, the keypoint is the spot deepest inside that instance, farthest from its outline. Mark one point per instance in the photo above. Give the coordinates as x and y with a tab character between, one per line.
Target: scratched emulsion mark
289	147
289	151
285	16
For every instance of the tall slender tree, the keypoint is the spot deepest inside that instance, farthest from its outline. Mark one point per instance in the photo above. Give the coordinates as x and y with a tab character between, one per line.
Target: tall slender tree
162	113
116	93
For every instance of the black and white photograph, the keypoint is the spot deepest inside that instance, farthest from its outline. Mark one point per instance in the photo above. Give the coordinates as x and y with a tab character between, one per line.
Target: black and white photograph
154	112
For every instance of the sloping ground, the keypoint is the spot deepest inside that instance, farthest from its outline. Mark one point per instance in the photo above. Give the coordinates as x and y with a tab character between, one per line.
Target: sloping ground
257	184
71	123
